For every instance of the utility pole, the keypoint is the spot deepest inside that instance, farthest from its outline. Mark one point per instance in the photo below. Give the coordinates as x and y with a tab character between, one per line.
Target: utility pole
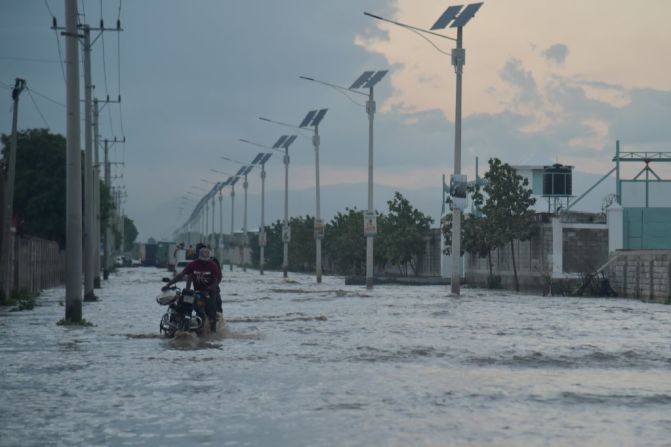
73	218
213	237
96	196
107	237
8	211
89	211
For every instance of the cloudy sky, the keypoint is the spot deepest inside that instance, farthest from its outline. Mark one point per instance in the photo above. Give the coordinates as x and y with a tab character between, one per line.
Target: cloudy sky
544	81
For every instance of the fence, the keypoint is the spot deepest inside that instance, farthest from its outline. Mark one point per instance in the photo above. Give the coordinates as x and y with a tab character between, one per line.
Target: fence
37	264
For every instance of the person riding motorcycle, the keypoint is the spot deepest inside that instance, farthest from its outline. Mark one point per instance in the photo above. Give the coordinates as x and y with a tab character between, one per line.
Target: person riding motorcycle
205	277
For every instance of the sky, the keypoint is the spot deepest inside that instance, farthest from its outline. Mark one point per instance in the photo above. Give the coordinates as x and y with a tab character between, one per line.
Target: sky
544	82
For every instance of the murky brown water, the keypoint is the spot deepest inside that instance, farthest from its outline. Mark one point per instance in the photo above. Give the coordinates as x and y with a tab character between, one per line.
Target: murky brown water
307	364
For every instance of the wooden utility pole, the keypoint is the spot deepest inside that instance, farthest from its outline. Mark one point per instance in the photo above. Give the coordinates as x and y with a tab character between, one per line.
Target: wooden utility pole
8	209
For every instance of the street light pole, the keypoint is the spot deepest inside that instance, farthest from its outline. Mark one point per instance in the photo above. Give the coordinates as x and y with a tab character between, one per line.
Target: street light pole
370	109
458	62
245	185
457	18
220	242
262	229
318	221
232	219
286	230
367	80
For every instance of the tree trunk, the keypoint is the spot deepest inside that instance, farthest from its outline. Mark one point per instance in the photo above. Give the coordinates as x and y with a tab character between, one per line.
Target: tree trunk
512	252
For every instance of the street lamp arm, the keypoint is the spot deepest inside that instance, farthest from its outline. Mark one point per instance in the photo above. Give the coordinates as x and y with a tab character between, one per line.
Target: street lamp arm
410	27
261	145
282	124
328	84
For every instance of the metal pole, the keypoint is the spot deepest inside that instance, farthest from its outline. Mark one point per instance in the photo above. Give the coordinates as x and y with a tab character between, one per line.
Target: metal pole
232	222
220	242
89	216
213	238
370	108
456	212
73	218
286	232
107	236
245	185
262	230
206	235
10	159
618	191
96	198
318	239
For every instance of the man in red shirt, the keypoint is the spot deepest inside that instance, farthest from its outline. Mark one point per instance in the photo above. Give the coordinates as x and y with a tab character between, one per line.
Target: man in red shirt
205	276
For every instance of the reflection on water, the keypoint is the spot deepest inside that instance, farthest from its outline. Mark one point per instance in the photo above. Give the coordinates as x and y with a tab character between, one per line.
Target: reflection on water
304	364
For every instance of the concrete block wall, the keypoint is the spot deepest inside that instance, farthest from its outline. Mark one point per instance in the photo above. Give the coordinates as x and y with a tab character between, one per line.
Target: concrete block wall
642	274
584	249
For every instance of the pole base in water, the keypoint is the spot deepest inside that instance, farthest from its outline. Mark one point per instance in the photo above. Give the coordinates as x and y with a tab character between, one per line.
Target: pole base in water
96	282
369	283
90	297
106	274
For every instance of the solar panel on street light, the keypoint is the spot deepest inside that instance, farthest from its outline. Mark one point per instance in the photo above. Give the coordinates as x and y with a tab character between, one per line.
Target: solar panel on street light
377	77
362	79
240	171
258	158
280	141
320	116
289	140
308	118
248	169
235	180
265	158
466	15
449	15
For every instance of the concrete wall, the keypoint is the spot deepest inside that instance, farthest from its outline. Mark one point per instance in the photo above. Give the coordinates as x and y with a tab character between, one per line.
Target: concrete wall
559	248
642	274
37	264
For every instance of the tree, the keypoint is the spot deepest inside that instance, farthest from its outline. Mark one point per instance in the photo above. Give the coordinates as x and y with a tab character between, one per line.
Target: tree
345	243
506	209
403	232
130	233
39	188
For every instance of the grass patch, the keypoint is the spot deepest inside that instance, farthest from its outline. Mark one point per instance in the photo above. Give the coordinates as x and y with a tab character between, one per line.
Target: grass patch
22	301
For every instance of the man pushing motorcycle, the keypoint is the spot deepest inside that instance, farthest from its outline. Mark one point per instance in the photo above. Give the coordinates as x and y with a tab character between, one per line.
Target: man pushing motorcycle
205	276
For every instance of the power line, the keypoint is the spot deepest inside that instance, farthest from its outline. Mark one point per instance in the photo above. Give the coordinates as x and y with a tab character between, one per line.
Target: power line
28	59
58	41
38	108
46	97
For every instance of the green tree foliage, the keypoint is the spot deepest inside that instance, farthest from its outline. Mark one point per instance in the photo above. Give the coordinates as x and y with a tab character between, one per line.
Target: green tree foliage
402	234
302	245
503	215
507	207
344	242
130	233
39	188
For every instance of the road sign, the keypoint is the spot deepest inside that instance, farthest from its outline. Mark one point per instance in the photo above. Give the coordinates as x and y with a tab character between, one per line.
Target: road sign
369	223
319	229
262	239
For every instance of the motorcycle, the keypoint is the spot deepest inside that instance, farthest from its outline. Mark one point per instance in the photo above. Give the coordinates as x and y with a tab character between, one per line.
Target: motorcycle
185	312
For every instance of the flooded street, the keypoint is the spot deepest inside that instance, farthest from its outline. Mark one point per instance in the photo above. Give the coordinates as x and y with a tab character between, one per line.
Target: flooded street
321	365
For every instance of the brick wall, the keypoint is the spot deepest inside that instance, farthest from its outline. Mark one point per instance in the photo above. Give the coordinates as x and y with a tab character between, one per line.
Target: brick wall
642	274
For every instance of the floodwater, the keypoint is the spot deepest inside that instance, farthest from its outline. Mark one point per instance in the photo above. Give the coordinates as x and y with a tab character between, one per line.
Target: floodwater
302	364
